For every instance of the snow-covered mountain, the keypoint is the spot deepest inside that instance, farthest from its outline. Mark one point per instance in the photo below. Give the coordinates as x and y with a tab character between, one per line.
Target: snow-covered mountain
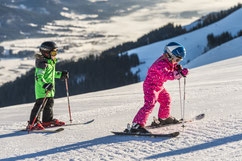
195	42
228	50
85	27
214	89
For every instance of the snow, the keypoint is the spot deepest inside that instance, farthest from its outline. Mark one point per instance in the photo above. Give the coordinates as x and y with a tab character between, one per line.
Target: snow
10	68
79	30
214	89
194	42
227	50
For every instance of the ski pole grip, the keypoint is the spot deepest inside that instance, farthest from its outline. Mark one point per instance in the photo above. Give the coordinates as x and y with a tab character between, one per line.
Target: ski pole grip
182	73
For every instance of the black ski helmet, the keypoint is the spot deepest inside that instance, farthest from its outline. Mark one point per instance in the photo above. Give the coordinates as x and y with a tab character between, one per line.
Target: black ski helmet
46	48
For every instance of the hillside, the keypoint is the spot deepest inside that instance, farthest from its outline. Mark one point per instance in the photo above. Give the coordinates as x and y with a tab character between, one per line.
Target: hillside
81	28
213	89
24	19
227	50
83	80
195	42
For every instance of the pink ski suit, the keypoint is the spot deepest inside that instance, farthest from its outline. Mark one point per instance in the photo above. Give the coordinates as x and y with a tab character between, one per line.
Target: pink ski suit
161	71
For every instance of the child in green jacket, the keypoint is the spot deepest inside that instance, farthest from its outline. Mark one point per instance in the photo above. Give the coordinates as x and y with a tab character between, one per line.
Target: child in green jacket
45	75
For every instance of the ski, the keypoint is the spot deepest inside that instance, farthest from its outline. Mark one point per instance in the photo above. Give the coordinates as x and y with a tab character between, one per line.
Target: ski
45	130
173	134
71	124
198	117
50	130
80	123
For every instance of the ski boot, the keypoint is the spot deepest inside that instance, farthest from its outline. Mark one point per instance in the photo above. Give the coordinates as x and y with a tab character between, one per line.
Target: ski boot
161	122
53	123
136	128
36	126
171	120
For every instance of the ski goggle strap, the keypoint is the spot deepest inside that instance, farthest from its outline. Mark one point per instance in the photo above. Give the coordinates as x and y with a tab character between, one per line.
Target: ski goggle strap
54	52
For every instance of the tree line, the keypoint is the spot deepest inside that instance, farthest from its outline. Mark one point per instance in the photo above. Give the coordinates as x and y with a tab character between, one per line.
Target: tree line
20	54
214	41
108	70
216	16
88	74
170	30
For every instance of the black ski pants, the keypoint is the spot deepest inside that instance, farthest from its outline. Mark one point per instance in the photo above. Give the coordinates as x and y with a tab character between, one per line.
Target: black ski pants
47	110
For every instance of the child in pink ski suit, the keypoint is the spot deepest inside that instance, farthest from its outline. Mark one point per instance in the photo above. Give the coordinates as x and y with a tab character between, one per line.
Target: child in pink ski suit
162	70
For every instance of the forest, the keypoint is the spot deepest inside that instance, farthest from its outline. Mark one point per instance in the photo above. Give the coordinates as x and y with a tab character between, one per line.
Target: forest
110	69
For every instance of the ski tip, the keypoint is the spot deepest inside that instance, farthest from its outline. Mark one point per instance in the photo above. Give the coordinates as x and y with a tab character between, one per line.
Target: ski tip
88	122
116	133
175	134
113	132
59	129
200	116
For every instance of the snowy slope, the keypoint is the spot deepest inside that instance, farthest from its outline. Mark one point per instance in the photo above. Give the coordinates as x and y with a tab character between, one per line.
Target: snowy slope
227	50
214	89
194	42
84	36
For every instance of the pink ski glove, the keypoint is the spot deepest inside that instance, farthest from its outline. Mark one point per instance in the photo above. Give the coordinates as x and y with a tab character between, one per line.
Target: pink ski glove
182	73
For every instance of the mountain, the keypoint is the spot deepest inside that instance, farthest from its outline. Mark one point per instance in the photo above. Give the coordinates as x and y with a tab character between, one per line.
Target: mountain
226	51
26	18
80	28
214	89
195	42
83	80
23	19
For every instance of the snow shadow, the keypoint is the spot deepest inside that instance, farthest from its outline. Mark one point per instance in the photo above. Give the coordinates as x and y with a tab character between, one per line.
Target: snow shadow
214	143
86	144
20	133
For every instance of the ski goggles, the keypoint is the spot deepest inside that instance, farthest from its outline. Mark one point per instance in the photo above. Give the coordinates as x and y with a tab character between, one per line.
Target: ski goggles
54	52
177	58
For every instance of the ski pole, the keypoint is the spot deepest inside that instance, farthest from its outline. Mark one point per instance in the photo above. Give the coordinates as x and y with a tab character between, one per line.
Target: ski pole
41	107
68	99
184	100
180	98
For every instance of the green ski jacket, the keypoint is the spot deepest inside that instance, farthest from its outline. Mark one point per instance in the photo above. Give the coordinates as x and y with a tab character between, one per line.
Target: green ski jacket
45	73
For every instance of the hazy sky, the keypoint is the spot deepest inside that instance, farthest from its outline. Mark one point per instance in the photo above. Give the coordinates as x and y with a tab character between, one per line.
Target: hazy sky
133	19
177	11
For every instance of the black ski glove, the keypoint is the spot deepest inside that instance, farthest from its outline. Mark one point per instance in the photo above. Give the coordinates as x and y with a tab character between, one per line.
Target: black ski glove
178	67
48	86
64	74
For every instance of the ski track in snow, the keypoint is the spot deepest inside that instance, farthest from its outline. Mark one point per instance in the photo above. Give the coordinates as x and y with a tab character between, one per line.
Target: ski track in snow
217	137
214	89
196	141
